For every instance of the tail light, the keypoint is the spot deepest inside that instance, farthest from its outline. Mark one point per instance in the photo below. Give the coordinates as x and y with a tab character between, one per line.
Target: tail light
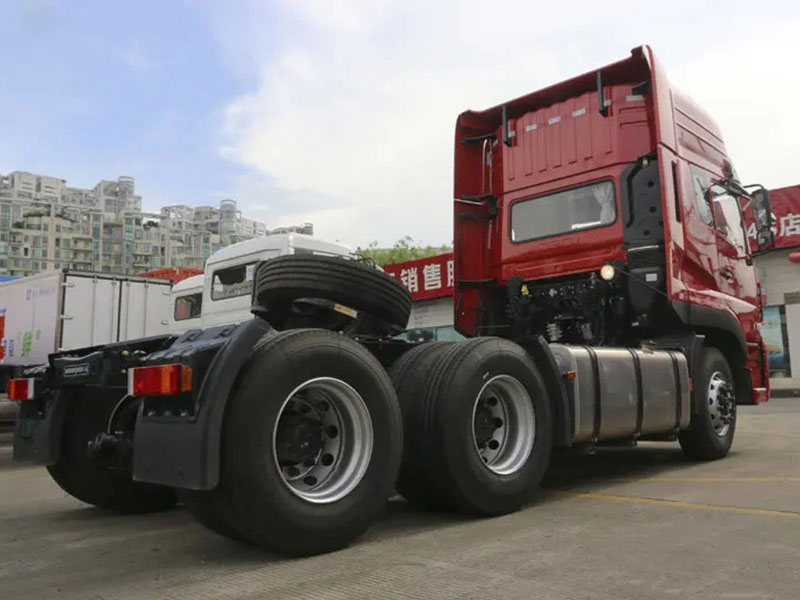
159	380
20	389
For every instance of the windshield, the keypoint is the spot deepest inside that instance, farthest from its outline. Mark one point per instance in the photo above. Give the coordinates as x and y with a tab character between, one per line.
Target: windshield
569	210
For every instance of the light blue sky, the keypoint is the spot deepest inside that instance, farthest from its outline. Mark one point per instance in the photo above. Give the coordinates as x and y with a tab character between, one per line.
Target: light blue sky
341	112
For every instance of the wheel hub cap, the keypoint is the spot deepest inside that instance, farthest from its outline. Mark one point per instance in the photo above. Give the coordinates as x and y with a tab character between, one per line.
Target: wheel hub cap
721	403
503	425
322	440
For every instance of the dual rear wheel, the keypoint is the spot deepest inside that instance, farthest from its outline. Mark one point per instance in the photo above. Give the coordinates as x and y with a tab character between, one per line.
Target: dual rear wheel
311	446
477	422
313	438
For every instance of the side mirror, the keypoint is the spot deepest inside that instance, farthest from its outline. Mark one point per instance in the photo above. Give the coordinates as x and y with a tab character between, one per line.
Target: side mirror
762	215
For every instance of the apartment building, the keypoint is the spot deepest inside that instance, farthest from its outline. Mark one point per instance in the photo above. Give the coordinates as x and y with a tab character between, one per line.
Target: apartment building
47	225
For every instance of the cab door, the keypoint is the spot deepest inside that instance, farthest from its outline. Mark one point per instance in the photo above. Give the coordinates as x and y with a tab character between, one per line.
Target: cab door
736	278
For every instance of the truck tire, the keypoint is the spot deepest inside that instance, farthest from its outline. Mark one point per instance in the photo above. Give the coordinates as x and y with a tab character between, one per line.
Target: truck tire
210	509
88	411
483	428
410	375
713	423
280	281
312	443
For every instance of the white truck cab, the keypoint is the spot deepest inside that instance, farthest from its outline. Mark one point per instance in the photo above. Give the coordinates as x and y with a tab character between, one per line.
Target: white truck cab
221	295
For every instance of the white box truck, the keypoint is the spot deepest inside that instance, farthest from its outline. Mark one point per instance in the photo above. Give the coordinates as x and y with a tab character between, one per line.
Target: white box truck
62	310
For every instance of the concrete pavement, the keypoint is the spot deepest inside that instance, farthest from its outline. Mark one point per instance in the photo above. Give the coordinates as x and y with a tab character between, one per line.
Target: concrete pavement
634	524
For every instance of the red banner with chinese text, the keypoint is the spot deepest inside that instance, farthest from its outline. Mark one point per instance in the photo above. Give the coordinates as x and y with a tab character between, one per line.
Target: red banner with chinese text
425	278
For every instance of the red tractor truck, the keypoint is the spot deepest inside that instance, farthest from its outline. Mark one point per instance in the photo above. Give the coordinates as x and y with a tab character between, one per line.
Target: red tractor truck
601	272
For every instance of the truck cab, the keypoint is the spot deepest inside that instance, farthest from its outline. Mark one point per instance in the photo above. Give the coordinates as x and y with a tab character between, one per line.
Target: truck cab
228	282
618	169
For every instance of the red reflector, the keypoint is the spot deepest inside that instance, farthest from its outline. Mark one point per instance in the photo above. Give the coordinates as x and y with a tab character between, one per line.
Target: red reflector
20	389
160	380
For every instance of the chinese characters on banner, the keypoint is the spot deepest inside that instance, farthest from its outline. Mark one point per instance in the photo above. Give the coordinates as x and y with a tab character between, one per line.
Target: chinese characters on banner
785	218
425	278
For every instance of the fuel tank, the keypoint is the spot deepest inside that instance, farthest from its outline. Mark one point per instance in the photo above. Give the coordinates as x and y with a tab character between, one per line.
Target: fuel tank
619	393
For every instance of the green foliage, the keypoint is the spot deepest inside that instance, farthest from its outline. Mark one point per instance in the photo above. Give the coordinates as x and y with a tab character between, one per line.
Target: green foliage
403	249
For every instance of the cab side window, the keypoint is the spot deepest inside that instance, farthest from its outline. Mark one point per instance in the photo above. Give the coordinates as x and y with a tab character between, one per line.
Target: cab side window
701	182
728	218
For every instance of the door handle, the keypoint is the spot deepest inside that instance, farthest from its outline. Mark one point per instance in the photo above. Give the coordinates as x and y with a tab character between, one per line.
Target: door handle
726	273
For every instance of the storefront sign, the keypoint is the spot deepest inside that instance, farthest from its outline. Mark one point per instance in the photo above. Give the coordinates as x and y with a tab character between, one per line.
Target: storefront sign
785	218
425	278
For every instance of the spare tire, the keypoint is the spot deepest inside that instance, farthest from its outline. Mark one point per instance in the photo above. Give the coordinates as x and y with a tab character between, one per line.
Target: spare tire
281	281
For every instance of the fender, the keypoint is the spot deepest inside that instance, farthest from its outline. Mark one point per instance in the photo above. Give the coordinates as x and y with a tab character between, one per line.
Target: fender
559	402
186	453
705	318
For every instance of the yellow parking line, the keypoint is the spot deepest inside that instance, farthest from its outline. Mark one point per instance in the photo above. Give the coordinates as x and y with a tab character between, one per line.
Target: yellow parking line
763	512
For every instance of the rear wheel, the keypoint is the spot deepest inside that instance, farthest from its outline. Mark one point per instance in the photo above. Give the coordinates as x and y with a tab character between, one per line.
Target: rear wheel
710	432
482	428
312	443
88	413
410	375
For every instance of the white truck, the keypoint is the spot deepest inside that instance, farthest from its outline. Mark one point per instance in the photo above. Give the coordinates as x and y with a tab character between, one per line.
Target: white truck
223	298
62	310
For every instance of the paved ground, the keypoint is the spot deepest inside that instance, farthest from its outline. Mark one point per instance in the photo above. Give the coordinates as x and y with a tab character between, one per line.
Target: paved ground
634	524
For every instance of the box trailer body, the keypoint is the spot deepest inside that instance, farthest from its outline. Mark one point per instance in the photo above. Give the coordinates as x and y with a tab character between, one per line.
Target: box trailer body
64	310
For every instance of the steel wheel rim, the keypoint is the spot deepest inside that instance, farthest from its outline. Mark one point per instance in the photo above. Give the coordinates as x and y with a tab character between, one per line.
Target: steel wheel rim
504	406
345	440
721	403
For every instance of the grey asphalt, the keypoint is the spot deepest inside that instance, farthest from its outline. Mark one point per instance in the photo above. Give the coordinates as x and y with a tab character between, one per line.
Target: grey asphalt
630	524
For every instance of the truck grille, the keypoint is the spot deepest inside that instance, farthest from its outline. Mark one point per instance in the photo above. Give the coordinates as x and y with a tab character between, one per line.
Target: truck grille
646	256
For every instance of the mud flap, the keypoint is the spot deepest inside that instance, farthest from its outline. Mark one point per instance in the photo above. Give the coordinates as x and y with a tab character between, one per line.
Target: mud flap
37	436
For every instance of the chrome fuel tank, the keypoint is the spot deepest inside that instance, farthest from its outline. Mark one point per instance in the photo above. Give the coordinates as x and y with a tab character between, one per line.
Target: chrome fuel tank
624	392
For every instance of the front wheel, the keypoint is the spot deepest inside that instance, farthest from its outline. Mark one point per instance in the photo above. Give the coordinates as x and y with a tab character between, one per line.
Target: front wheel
711	430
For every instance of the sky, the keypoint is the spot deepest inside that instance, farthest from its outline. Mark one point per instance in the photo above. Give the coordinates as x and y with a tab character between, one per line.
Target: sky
341	112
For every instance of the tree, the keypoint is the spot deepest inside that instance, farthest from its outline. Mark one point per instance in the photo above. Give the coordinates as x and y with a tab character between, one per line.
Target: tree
403	249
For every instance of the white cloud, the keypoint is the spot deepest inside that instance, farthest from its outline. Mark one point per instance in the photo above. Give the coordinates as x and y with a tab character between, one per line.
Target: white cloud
352	118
